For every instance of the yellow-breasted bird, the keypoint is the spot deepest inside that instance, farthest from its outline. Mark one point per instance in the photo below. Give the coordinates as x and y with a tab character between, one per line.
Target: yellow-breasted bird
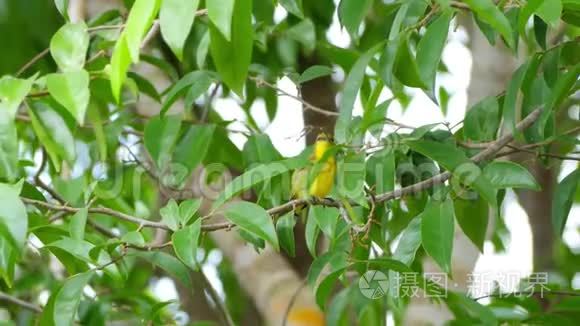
323	181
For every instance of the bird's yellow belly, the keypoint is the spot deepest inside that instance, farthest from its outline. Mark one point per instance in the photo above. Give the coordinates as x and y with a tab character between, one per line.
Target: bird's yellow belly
322	184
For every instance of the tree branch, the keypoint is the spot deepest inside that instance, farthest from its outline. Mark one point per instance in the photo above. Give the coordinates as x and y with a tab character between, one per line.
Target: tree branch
21	303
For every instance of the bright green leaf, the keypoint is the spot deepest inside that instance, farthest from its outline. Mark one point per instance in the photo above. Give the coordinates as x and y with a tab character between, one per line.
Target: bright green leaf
68	298
409	243
120	62
220	14
506	174
196	82
8	147
325	217
293	6
62	7
305	33
69	46
13	217
185	243
489	13
12	93
77	224
71	89
253	219
187	209
437	227
550	11
170	215
176	19
140	19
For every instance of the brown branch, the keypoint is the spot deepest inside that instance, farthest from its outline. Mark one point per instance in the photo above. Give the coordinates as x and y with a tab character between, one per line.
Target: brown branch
21	303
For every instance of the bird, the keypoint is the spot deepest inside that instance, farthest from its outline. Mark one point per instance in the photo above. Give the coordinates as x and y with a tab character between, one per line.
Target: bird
323	182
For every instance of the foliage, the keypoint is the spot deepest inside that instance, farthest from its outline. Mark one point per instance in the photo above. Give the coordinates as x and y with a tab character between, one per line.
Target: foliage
90	177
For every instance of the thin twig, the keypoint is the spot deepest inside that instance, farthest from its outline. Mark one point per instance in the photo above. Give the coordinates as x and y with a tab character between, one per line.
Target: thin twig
21	303
32	61
43	185
261	82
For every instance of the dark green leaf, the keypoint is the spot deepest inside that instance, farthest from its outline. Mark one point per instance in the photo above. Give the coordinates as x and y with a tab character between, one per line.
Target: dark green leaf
232	58
409	243
160	136
325	217
187	210
430	48
69	46
293	6
405	67
185	243
191	150
175	19
145	86
482	120
71	90
195	81
540	31
351	14
472	216
326	286
253	219
563	199
313	73
65	301
285	230
168	263
311	233
53	133
305	33
437	227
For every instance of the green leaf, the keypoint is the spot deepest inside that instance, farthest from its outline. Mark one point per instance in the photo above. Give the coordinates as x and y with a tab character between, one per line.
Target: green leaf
220	14
187	209
134	238
202	49
71	89
458	164
176	19
352	85
489	13
293	6
482	120
314	72
52	131
351	14
311	233
140	19
62	7
325	217
405	67
540	31
381	171
472	216
550	11
506	174
285	230
170	215
77	224
563	199
258	174
511	98
145	86
409	243
185	243
168	263
8	147
253	219
12	93
232	57
437	227
195	82
430	48
64	303
13	218
305	33
350	178
120	62
69	46
160	136
325	287
259	149
192	149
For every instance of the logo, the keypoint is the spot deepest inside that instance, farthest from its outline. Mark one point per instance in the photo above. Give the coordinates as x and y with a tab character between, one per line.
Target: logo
373	284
